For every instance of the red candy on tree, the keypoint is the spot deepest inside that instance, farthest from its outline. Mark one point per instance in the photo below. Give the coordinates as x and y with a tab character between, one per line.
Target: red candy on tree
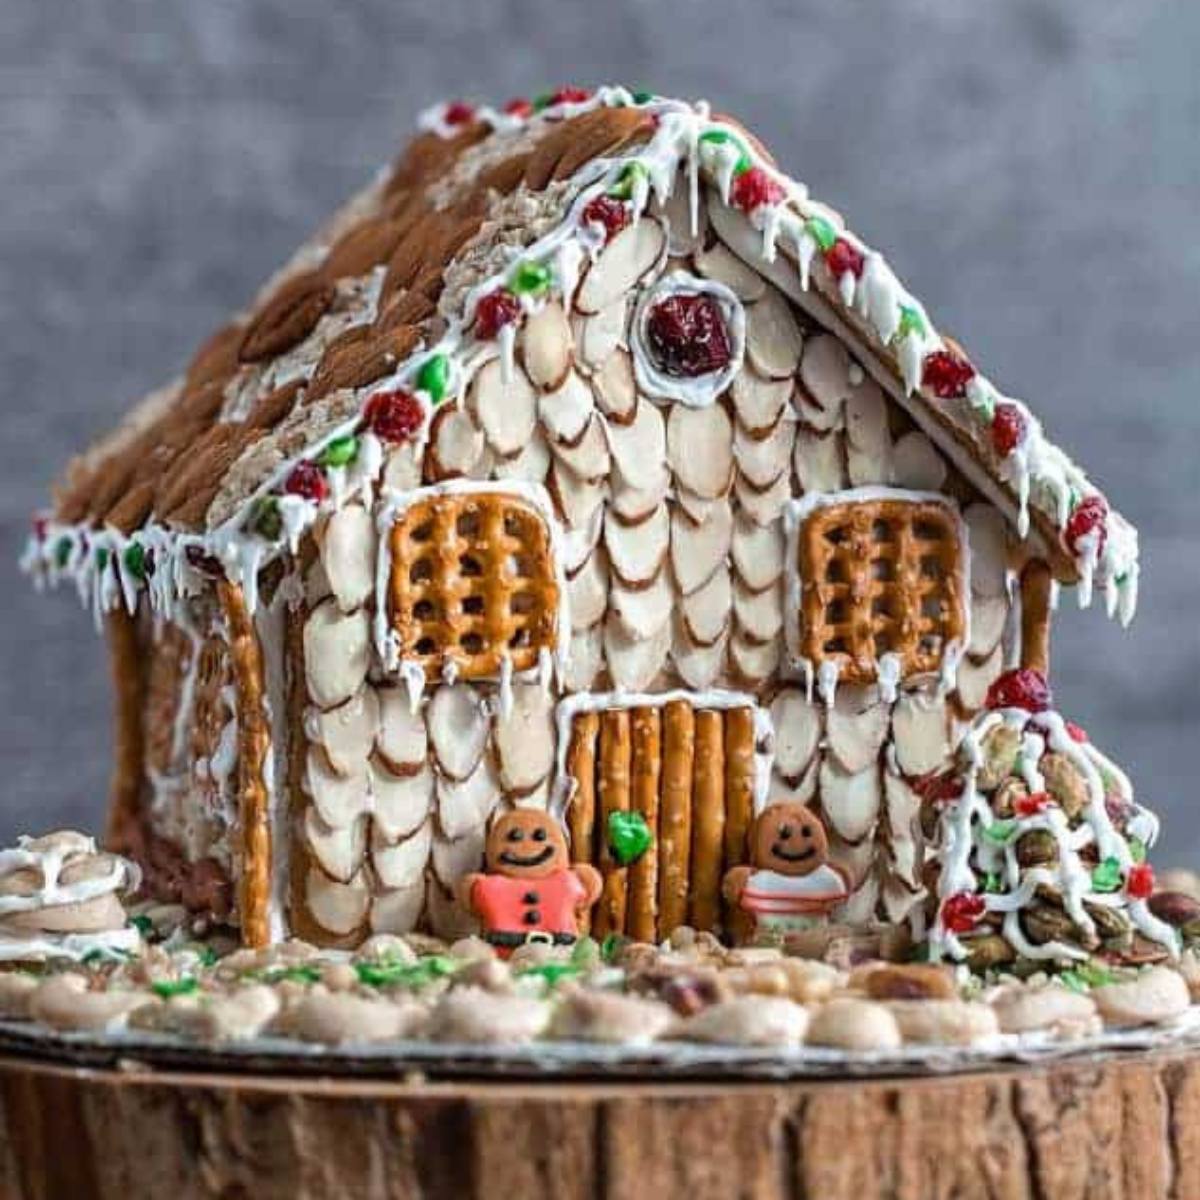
754	187
458	113
947	374
1139	882
688	335
308	481
1076	733
570	95
1022	688
1008	429
608	211
519	106
1030	806
939	789
494	311
962	911
394	416
842	257
1089	516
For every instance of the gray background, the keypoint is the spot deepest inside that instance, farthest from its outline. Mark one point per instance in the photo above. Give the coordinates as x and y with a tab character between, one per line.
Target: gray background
1030	167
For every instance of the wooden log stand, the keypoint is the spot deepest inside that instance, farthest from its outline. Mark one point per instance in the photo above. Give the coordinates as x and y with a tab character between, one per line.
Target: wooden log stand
1114	1127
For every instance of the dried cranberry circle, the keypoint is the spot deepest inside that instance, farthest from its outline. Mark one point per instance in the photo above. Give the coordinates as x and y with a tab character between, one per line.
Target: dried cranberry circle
687	335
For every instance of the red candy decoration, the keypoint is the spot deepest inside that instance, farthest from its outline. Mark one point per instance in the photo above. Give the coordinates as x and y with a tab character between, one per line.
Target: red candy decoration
570	95
308	481
688	335
1022	688
1008	429
494	311
947	374
519	106
394	416
1139	882
939	789
458	113
1076	733
1030	806
962	911
842	257
1090	514
754	187
608	211
41	528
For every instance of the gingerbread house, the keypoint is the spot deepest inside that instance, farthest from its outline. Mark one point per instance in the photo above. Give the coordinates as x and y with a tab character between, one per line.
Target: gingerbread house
583	460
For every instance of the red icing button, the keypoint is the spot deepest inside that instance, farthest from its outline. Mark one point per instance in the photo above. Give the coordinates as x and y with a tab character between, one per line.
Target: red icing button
458	113
947	374
1030	806
1089	515
962	912
754	187
1008	429
1139	882
842	257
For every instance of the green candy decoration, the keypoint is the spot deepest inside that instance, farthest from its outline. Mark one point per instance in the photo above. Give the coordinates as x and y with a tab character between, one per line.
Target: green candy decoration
266	520
530	279
434	377
341	452
1137	850
551	974
623	189
143	925
821	232
300	974
62	552
542	100
911	322
185	985
404	974
999	832
993	883
611	946
722	137
134	559
642	97
102	557
629	837
1085	977
1107	876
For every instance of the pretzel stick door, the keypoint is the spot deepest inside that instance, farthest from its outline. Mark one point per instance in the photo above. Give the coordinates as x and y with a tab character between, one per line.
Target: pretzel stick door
614	797
739	797
675	824
581	814
1036	587
708	820
642	924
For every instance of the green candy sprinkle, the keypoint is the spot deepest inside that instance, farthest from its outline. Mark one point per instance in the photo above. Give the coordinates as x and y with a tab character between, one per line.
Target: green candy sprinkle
911	322
1137	850
183	986
642	97
530	279
993	883
341	452
542	100
722	137
611	946
134	559
1085	977
102	558
626	182
300	974
62	552
266	520
552	974
1107	876
143	925
999	832
434	377
404	974
821	232
586	952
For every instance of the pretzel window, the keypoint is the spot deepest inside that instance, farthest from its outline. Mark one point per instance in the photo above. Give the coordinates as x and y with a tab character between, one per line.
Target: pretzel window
473	583
880	576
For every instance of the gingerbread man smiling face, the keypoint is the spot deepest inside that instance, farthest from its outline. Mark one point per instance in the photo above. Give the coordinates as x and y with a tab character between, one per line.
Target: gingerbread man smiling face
526	844
790	839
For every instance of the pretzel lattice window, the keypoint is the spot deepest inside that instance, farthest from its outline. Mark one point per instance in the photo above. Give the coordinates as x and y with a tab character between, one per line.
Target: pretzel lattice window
473	583
880	576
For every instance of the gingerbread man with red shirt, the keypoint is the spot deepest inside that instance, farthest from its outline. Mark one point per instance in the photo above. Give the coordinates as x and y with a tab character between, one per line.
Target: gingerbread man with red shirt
531	892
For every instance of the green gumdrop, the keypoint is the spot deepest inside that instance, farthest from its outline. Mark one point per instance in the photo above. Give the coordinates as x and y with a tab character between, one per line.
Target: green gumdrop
623	189
542	100
1137	850
530	279
166	988
642	97
1107	876
822	232
999	832
265	519
341	452
62	552
611	946
911	322
629	837
102	557
434	377
993	883
134	559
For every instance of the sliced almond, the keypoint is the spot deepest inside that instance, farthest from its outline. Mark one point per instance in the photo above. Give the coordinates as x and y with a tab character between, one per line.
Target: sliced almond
347	733
825	374
524	738
763	506
774	342
721	264
757	553
700	448
402	864
855	858
458	728
975	677
348	556
684	235
796	721
698	666
706	611
903	807
447	919
697	550
336	654
465	805
565	412
819	461
763	460
753	662
696	508
759	614
598	337
800	789
859	909
635	251
633	664
530	463
339	850
587	592
920	734
616	388
584	659
868	439
588	458
506	409
849	801
456	443
398	911
577	499
856	727
402	468
546	347
759	401
635	505
579	543
339	799
916	464
402	740
640	448
989	615
636	552
453	858
643	611
988	536
401	803
867	468
339	908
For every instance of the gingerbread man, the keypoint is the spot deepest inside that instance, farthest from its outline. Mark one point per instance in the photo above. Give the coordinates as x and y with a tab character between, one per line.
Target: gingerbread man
531	892
791	885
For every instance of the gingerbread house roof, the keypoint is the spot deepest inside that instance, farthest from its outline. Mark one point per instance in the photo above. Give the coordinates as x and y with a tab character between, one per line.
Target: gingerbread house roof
385	295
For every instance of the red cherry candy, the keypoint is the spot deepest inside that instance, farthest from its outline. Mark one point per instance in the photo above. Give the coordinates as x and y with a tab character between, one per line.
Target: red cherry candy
519	106
1022	688
753	188
947	374
1008	429
962	911
939	789
570	95
842	257
688	336
494	311
458	113
1089	515
1139	882
1030	806
307	480
1076	733
394	416
608	211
